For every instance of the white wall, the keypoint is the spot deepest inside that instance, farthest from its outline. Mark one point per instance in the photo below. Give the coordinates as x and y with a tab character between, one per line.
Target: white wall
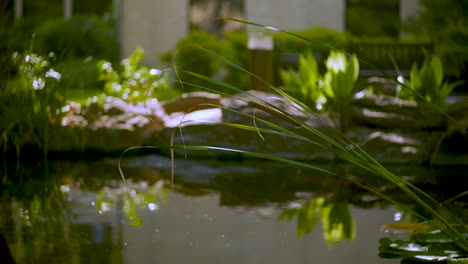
409	8
327	13
297	14
155	25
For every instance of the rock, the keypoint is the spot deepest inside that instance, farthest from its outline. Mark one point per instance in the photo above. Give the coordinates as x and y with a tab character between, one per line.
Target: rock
237	111
457	107
114	106
385	103
189	102
390	112
394	147
107	141
110	128
393	132
381	85
396	120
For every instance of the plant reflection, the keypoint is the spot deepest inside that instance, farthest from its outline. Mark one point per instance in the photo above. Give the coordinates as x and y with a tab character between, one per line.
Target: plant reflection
333	212
30	212
132	197
48	219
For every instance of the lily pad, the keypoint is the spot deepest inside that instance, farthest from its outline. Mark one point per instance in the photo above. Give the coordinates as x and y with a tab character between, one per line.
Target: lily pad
425	252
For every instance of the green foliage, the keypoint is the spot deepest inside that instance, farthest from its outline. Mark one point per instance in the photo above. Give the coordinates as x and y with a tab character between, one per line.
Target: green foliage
74	39
15	37
31	102
334	214
447	24
133	198
305	84
338	84
134	82
336	88
427	82
342	72
78	37
192	54
80	74
373	18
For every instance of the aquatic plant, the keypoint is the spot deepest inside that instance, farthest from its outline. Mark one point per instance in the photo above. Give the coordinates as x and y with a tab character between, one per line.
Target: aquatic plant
305	83
338	84
427	82
131	198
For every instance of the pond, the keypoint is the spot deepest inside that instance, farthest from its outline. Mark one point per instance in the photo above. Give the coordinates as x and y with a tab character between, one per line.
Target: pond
214	212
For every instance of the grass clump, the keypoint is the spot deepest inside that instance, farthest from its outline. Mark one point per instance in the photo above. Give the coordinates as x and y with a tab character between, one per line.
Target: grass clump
30	103
340	82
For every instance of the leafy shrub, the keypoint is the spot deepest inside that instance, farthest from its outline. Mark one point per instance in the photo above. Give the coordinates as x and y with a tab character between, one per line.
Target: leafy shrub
191	55
80	74
427	82
371	18
78	37
447	24
134	82
15	37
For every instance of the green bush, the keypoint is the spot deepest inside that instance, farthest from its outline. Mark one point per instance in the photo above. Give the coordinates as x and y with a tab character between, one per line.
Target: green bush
14	37
446	22
80	74
78	37
372	18
133	82
191	55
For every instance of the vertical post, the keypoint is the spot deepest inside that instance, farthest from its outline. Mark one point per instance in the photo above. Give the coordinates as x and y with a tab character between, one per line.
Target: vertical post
116	14
67	9
261	60
409	9
18	9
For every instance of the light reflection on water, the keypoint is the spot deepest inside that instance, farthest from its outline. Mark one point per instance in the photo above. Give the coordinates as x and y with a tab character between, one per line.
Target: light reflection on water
96	220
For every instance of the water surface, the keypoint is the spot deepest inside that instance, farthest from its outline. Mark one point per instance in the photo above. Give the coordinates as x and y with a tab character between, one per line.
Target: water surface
216	212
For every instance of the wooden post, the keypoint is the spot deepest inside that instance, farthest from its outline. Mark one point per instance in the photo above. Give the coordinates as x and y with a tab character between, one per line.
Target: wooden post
67	9
18	9
261	60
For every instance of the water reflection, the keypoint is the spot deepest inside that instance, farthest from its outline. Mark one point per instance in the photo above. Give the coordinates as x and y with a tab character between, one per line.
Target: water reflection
217	212
333	212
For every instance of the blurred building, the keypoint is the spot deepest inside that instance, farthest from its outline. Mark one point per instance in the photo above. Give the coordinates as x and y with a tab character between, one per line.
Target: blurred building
157	25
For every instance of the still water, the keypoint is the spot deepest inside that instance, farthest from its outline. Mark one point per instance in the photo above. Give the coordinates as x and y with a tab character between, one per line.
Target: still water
215	212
